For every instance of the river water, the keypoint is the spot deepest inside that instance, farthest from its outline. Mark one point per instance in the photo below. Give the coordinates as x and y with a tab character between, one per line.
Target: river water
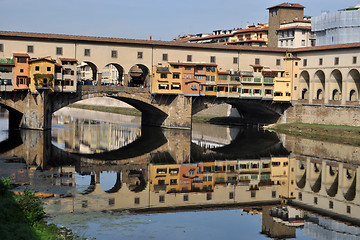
111	178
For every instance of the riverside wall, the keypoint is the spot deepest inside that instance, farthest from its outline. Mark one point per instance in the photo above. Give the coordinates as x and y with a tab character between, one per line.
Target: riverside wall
322	114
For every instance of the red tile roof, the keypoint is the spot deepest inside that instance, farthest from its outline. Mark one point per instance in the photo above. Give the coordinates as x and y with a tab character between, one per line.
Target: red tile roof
264	29
21	55
287	5
294	27
105	40
68	59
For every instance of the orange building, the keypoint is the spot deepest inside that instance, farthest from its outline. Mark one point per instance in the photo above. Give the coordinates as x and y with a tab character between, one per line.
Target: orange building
21	71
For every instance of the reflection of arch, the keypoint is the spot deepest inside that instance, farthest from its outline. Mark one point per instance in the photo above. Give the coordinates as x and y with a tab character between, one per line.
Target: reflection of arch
304	82
319	83
91	188
136	181
354	85
117	185
113	74
139	76
315	177
336	77
331	180
349	184
301	174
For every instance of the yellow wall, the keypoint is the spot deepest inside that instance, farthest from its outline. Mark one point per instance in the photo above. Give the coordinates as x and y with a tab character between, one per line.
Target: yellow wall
43	69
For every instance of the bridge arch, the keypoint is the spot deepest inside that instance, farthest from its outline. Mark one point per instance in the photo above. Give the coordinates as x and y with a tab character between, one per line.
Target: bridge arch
139	76
331	181
353	85
319	84
304	84
112	74
88	72
348	186
118	183
301	174
315	176
335	85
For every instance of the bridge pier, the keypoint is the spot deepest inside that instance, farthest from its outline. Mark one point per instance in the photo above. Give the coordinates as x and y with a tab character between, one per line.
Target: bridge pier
179	113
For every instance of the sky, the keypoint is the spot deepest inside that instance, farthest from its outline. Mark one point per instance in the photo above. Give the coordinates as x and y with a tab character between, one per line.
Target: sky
139	19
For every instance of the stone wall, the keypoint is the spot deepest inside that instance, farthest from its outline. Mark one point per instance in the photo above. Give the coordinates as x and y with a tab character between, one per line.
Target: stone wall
322	115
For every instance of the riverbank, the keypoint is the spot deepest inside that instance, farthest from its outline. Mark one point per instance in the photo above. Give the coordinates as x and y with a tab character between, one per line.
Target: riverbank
330	133
22	217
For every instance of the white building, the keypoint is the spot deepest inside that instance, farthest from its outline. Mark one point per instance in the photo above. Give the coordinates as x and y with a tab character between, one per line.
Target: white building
295	34
338	27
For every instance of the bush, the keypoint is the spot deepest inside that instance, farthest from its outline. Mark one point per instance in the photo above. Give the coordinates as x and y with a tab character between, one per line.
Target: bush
4	185
32	207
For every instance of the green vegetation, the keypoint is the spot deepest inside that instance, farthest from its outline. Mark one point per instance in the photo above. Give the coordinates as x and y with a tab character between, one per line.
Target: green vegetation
117	110
22	216
330	133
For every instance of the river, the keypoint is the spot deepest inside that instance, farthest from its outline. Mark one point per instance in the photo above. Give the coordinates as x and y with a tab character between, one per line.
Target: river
111	178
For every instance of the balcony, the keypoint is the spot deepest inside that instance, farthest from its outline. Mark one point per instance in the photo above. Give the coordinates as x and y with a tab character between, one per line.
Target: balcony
268	81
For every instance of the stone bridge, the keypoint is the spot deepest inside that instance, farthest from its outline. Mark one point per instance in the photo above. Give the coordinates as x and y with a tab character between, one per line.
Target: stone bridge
34	111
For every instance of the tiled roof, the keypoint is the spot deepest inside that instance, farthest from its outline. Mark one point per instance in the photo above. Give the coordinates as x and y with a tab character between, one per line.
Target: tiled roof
328	47
41	59
68	59
192	64
287	5
21	55
248	41
294	27
211	37
252	30
104	40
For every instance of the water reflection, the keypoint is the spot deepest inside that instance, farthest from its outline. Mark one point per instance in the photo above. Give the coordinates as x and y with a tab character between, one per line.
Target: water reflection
151	170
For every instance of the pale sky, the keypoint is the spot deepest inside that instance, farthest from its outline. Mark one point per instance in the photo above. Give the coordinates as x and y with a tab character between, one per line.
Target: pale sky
140	19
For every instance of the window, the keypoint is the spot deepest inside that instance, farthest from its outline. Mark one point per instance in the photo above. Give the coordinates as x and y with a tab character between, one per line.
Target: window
59	51
161	199
331	204
21	70
304	62
253	194
186	198
87	52
84	204
212	59
302	42
278	62
164	57
30	49
336	61
231	195
193	87
300	196
348	209
320	61
189	58
37	68
187	68
163	75
111	201
354	60
139	55
296	63
176	76
1	47
114	54
137	200
257	61
315	200
48	69
273	194
208	196
235	60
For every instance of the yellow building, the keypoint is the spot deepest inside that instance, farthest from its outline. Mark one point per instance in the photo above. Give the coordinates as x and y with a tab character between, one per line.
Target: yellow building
42	72
164	178
255	35
286	86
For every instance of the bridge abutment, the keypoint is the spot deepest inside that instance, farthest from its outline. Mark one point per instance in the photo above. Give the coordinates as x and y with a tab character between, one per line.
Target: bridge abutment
179	113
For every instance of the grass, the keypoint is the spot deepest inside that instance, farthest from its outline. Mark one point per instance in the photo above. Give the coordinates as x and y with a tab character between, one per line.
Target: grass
330	133
22	217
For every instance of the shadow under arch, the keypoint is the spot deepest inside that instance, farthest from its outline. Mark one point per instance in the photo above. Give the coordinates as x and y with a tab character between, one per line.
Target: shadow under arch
248	144
150	115
354	75
15	116
304	82
336	77
333	189
319	78
118	184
